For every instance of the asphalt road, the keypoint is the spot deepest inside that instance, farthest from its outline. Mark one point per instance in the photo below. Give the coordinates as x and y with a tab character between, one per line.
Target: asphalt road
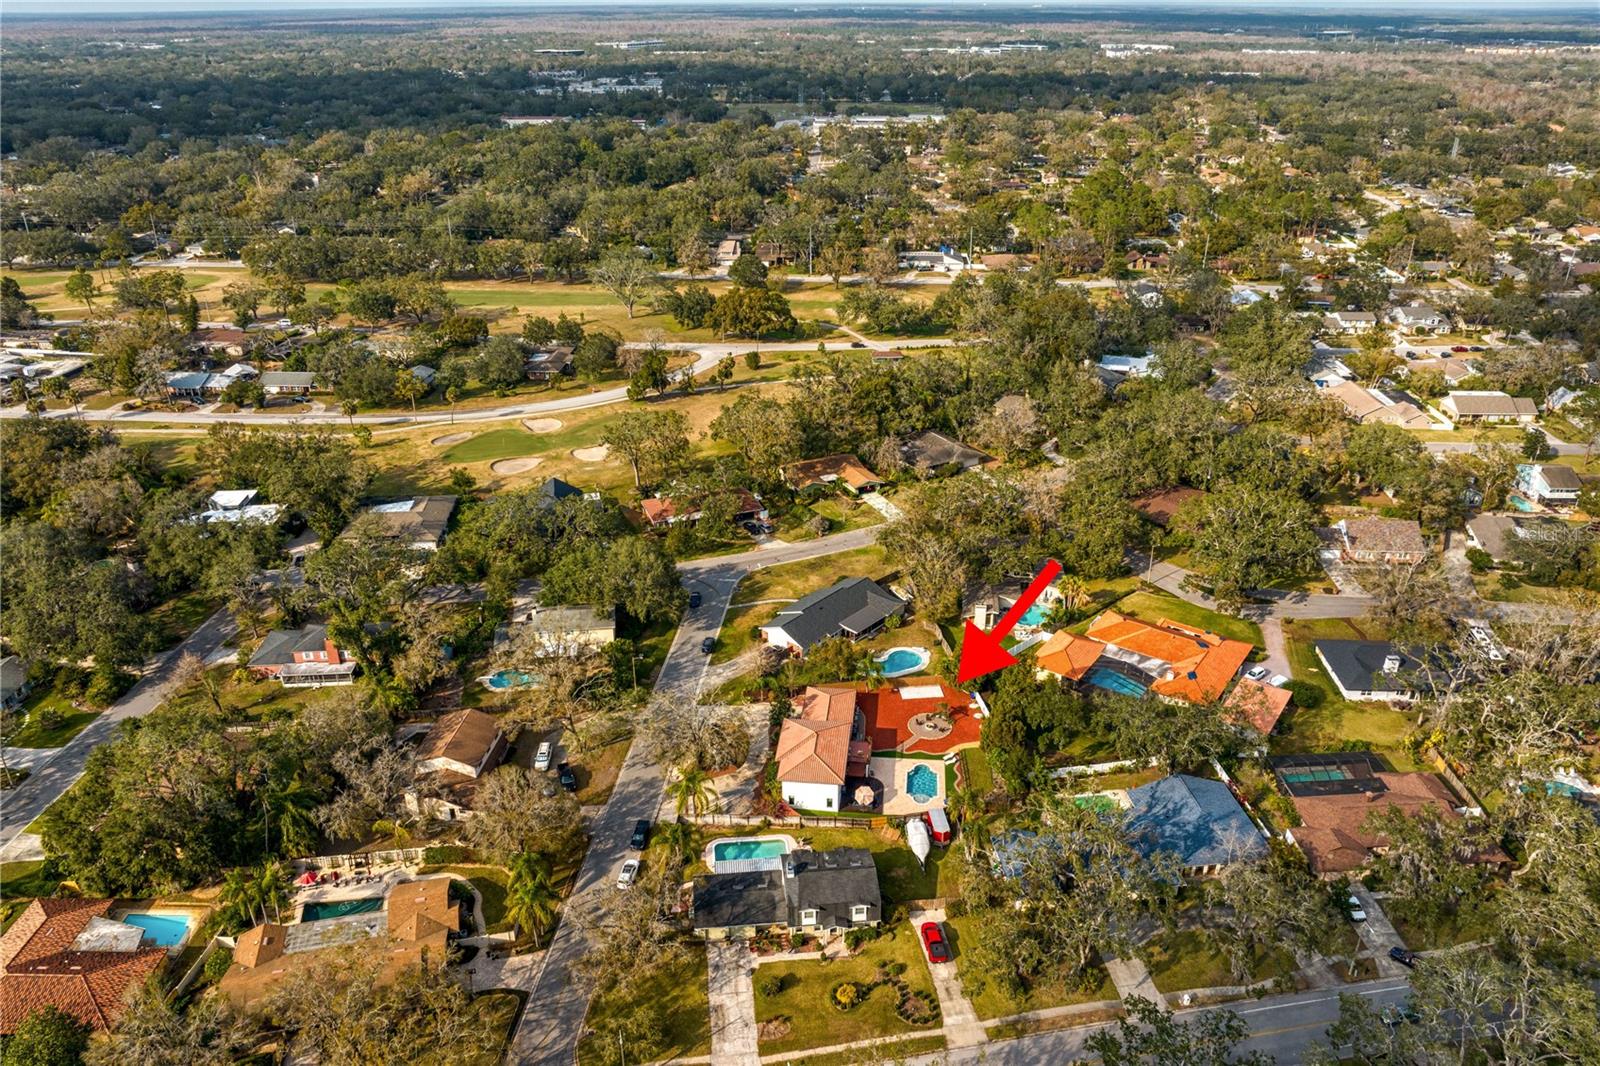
552	1023
1284	1027
50	780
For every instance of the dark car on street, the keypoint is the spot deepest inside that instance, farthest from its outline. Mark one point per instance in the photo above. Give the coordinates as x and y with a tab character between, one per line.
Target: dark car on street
708	645
1404	957
694	600
567	776
641	834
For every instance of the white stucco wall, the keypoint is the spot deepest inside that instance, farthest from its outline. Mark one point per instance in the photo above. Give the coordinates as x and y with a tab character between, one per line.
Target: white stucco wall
811	797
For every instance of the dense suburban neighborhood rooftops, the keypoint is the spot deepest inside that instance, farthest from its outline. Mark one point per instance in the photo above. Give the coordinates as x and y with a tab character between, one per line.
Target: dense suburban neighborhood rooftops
1181	662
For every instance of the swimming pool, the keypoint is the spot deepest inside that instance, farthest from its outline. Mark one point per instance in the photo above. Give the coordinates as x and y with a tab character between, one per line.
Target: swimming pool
1034	615
316	912
1519	504
922	784
501	680
752	848
165	930
897	662
1111	681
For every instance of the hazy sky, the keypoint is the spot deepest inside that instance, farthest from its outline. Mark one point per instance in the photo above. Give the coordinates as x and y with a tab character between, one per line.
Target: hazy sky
1579	9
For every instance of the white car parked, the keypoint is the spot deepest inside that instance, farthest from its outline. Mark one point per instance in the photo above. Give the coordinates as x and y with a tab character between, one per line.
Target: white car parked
1357	913
630	872
1256	673
541	758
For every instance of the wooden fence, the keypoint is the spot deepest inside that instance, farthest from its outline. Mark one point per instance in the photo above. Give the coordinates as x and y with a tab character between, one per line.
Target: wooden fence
792	821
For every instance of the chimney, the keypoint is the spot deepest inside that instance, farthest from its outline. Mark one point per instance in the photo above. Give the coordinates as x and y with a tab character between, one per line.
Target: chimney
1391	664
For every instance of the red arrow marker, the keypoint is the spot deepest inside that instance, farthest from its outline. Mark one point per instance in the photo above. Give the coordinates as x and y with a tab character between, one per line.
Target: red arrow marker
981	652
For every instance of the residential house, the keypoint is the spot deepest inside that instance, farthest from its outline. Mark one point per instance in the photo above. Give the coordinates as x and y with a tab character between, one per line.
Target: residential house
424	374
419	522
1488	406
1336	794
1375	540
771	254
1147	294
557	629
1379	405
727	250
303	658
1419	318
1496	534
663	511
67	954
1258	704
227	341
415	927
941	262
844	470
14	685
824	744
188	384
1453	370
288	382
1550	484
454	755
932	450
548	363
819	892
1130	657
1368	669
851	607
1195	819
1144	260
1350	321
238	505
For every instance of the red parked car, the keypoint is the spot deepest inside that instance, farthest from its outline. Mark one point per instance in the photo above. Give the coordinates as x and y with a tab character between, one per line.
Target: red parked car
933	940
1459	348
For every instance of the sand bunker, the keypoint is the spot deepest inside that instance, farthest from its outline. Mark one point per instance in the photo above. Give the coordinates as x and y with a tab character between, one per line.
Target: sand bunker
541	425
592	455
515	466
449	438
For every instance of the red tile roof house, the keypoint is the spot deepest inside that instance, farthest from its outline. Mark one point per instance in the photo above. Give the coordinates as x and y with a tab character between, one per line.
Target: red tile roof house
663	511
66	953
1174	661
832	737
303	658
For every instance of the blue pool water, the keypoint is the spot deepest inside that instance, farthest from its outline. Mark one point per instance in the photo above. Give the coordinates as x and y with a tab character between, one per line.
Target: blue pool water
1518	503
922	783
1034	615
166	930
1111	681
504	679
315	912
898	661
767	848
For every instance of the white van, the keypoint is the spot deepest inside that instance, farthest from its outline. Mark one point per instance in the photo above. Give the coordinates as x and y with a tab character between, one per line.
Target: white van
541	759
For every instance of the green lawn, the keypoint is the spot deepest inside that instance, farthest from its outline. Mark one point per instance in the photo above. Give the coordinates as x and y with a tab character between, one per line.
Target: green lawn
788	582
976	771
19	883
495	1012
991	1001
491	882
496	444
597	770
182	615
680	1008
814	1022
1189	959
32	734
1491	587
1450	930
899	877
1149	606
1337	721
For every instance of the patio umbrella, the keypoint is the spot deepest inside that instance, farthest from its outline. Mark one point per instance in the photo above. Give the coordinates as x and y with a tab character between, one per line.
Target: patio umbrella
307	878
864	795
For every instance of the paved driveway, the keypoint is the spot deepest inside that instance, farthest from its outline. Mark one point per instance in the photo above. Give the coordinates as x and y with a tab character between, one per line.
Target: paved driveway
961	1025
730	983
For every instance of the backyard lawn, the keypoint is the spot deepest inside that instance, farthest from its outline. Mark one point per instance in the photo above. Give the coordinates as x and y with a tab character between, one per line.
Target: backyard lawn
1337	721
899	877
491	883
764	593
804	1004
1189	959
19	883
991	1001
495	1012
680	1010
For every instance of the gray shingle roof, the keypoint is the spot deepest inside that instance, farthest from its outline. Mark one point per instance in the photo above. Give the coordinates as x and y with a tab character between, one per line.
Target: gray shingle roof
1358	664
280	646
1196	819
851	605
832	883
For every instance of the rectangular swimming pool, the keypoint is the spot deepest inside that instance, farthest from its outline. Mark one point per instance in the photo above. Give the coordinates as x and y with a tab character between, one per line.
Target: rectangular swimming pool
314	912
166	930
1111	681
767	848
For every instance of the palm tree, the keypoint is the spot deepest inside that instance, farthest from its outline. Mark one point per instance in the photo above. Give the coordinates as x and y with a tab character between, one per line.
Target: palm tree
291	806
692	790
677	836
530	897
238	897
271	889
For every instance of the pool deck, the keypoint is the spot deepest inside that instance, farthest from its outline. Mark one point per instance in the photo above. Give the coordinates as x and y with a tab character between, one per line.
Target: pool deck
739	866
195	915
897	801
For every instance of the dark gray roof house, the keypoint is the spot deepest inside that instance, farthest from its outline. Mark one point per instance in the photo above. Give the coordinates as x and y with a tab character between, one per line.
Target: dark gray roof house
554	490
851	607
1194	818
1368	669
933	449
812	890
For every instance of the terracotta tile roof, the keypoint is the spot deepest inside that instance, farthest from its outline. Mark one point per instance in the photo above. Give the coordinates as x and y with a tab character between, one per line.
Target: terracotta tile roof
659	509
419	910
1258	703
815	747
40	969
1201	663
1068	655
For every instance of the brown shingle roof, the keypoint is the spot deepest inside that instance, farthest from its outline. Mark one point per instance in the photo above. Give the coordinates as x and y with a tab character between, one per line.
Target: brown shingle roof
1384	535
463	736
1333	835
846	468
40	969
1258	703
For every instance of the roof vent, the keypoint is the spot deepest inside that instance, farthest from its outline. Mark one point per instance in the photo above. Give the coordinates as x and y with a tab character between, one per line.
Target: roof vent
1391	663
